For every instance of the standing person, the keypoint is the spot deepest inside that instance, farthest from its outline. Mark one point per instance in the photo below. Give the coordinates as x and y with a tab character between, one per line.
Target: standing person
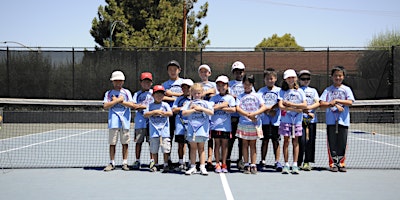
198	112
307	140
235	89
249	105
118	101
292	101
181	122
173	91
209	88
158	113
271	117
336	99
142	100
221	127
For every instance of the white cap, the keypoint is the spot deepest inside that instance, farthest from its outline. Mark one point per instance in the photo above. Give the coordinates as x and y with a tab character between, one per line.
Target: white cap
289	73
223	79
238	65
117	75
302	72
205	67
188	82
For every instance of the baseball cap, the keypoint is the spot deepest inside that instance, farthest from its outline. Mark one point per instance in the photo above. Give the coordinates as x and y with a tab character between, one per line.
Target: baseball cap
146	75
188	82
238	65
174	63
223	79
205	67
289	73
117	75
302	72
158	88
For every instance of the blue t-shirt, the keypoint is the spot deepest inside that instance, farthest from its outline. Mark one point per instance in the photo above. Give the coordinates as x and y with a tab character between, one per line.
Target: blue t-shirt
199	122
343	93
251	104
221	120
236	88
294	96
114	121
143	98
271	98
173	86
180	120
159	125
208	85
311	98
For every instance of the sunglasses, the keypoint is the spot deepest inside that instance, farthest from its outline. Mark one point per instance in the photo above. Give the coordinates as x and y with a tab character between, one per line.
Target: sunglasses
305	79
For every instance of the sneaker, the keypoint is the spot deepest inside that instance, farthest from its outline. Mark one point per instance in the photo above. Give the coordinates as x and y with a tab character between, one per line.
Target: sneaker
125	167
334	168
210	166
166	169
109	167
295	170
262	163
153	168
285	170
306	167
203	171
191	171
253	170
240	164
151	164
278	167
246	170
342	169
218	168
180	168
136	165
224	168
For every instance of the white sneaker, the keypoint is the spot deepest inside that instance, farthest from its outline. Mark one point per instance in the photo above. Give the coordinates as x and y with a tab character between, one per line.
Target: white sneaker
203	171
191	171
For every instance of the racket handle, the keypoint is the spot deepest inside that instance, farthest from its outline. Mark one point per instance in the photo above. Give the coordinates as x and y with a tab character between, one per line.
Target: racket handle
293	132
337	127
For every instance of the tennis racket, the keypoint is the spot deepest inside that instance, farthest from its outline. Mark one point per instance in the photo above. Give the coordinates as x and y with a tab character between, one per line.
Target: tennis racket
335	112
293	118
335	94
250	103
270	98
197	119
237	89
159	122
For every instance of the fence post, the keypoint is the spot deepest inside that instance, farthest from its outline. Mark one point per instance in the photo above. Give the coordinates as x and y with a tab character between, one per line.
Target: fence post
327	66
73	73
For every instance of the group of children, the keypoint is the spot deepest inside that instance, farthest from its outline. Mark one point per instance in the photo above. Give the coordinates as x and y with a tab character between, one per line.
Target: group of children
222	111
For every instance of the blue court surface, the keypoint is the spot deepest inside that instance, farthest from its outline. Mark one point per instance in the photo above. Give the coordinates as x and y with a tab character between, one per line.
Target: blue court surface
77	183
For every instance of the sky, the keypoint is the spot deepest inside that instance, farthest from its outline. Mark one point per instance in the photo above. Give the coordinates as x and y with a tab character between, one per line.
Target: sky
232	23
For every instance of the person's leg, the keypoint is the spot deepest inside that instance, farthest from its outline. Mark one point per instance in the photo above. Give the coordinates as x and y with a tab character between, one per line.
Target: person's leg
332	146
341	146
253	151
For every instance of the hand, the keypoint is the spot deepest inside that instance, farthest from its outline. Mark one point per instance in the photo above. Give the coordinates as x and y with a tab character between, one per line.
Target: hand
339	107
252	117
287	103
311	115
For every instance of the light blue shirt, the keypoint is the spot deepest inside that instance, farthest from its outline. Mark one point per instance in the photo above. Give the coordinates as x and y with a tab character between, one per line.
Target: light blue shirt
343	93
180	128
236	88
199	119
250	105
311	98
143	98
295	96
271	98
114	120
164	132
221	120
173	86
208	85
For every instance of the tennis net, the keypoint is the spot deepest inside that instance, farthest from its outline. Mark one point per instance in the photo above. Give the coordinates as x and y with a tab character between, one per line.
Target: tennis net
38	133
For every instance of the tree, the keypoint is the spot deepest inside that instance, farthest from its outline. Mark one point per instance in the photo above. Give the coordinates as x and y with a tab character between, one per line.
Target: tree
385	40
149	23
285	43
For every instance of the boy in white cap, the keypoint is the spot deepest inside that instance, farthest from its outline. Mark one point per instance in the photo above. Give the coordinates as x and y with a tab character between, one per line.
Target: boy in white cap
118	101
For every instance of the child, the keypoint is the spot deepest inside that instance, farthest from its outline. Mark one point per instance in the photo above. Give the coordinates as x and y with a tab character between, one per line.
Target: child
118	101
249	105
173	91
307	140
221	126
292	101
209	91
141	100
158	113
336	99
271	117
198	112
181	121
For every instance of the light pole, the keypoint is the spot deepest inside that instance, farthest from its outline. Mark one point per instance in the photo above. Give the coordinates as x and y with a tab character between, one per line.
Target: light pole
112	27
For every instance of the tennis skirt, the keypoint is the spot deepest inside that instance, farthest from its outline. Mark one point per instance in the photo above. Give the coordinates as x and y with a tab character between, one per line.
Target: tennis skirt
248	132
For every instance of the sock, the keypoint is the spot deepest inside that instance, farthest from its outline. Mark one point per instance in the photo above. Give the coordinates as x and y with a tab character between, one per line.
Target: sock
252	165
294	164
151	160
247	164
202	166
192	165
112	162
138	160
125	162
180	161
287	164
263	162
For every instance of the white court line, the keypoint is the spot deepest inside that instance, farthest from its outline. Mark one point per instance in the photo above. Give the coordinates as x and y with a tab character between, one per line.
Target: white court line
47	141
225	185
393	145
56	130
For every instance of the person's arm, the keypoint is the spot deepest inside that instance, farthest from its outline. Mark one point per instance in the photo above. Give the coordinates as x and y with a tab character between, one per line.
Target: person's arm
114	100
253	115
209	92
220	106
203	109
